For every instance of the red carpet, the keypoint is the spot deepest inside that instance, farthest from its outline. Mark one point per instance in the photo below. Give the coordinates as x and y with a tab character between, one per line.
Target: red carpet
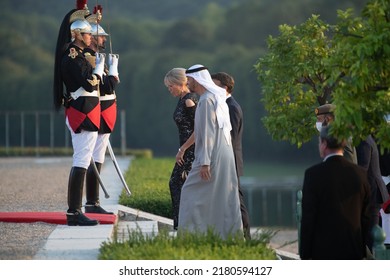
50	217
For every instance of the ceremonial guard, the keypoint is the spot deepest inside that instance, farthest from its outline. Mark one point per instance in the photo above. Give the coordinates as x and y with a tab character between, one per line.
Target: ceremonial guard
81	101
110	79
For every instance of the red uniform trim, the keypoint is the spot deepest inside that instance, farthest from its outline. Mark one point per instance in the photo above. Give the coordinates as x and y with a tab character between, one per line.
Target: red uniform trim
386	207
75	118
94	116
109	116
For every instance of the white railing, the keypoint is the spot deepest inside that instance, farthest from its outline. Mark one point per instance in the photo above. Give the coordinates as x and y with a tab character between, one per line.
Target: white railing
26	129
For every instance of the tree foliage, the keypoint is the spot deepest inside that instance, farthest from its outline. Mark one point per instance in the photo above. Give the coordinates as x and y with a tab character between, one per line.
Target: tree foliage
346	64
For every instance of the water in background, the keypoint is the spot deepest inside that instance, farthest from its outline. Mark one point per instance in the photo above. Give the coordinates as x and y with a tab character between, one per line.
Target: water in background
270	193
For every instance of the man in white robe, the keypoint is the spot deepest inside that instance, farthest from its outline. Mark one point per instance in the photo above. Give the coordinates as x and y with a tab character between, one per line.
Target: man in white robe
209	197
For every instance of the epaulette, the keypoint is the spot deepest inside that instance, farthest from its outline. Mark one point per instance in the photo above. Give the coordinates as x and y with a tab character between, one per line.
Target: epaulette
73	53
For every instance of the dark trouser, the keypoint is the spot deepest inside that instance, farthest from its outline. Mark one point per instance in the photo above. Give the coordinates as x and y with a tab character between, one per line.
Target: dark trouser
374	220
244	213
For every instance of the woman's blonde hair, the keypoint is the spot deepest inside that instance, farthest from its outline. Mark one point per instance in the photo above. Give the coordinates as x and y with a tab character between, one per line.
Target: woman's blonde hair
176	76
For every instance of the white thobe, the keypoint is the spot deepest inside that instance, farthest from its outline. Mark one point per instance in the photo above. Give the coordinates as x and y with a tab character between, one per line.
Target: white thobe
214	203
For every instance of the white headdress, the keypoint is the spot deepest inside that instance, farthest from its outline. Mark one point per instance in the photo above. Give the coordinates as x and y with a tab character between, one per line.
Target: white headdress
203	77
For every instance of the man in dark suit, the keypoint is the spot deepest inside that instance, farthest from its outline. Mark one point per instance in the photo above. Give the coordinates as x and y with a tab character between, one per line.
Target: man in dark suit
226	81
368	158
335	205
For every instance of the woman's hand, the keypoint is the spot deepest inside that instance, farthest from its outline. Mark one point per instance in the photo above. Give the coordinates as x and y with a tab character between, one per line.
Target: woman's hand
179	157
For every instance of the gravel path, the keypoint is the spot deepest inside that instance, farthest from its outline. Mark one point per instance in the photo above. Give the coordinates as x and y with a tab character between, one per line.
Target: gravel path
30	184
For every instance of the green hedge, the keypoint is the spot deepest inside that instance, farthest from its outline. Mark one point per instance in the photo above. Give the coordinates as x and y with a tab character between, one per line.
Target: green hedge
206	246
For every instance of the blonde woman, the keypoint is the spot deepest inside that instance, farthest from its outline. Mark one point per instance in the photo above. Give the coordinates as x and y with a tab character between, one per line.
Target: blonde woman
176	82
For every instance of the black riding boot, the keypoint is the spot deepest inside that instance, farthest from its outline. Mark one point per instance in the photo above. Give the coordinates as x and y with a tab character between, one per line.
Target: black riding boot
92	184
74	215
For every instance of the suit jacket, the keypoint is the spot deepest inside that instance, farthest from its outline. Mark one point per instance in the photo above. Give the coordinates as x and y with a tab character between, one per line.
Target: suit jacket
384	162
236	120
350	152
335	211
368	158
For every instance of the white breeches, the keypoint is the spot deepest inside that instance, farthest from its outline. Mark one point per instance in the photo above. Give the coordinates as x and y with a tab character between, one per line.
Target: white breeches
83	145
99	152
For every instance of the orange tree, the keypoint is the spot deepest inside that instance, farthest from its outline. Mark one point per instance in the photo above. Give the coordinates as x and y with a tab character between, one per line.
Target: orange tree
346	64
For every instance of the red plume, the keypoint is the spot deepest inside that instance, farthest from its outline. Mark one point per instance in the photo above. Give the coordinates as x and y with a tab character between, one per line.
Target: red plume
97	9
80	4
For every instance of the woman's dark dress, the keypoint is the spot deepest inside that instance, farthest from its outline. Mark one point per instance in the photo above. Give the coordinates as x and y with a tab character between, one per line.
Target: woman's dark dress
184	118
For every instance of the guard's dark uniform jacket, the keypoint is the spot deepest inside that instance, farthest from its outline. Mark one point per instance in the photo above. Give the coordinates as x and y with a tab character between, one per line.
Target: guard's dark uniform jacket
107	96
81	100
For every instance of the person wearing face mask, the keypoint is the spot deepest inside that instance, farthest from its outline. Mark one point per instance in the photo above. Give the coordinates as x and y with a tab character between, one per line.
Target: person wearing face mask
325	116
336	205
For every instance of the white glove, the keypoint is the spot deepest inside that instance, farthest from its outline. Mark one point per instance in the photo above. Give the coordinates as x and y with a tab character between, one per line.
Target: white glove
99	68
113	64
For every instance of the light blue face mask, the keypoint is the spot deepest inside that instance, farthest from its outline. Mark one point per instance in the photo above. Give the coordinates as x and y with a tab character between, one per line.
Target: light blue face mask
319	126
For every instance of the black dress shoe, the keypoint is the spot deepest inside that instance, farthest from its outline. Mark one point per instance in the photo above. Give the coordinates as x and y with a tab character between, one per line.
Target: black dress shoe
96	208
77	218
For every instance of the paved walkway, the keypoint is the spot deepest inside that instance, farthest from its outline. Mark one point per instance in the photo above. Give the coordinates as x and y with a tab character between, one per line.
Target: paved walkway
83	243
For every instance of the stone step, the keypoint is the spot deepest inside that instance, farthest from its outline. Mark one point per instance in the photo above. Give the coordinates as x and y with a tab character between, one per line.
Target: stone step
125	228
